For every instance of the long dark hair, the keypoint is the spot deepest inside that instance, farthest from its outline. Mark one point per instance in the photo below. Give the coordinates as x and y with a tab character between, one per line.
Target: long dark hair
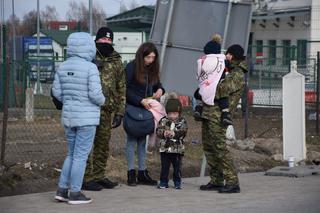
152	70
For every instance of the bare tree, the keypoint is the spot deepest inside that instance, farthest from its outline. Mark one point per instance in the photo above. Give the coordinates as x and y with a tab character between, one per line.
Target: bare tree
49	14
99	17
29	23
78	11
13	22
133	5
123	7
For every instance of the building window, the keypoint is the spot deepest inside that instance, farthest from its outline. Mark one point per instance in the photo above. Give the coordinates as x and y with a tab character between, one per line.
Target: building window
286	51
302	52
259	52
272	52
63	27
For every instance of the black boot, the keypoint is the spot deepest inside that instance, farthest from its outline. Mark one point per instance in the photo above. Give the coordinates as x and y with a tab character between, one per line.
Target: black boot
230	189
144	178
210	187
132	181
91	186
107	184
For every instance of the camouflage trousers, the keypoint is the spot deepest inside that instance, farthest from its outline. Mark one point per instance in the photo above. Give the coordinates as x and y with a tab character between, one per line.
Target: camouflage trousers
222	169
97	160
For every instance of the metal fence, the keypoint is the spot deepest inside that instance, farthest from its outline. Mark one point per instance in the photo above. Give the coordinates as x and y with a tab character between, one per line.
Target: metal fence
265	80
41	140
25	137
268	64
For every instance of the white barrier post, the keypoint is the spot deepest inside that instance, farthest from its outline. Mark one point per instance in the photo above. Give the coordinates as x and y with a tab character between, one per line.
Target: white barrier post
203	165
294	128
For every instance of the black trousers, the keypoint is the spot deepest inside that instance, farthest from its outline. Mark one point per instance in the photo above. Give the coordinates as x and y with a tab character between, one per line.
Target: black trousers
166	160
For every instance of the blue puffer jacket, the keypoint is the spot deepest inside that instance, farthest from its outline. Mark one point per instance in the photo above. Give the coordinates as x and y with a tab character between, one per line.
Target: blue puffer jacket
77	83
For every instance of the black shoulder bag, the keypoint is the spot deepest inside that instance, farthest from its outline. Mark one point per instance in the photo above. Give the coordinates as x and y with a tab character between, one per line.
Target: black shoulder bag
138	121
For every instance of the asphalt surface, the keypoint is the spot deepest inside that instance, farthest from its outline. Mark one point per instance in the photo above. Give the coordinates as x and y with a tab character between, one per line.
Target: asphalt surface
259	194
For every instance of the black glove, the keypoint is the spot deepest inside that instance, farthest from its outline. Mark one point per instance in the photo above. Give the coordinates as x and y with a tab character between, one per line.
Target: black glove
226	119
58	104
116	121
197	95
198	113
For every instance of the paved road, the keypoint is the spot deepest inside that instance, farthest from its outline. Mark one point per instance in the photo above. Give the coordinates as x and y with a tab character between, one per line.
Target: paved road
260	194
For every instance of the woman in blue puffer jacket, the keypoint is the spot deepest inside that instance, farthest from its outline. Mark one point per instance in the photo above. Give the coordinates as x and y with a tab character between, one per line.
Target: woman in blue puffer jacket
77	85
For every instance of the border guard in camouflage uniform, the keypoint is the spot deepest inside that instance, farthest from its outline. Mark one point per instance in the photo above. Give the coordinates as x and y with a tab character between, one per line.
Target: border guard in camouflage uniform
113	80
223	174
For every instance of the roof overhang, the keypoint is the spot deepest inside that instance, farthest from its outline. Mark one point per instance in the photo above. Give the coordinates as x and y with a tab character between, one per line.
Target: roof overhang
141	19
281	13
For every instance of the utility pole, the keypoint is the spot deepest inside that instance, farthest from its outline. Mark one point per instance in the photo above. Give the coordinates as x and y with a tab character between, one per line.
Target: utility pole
14	33
90	17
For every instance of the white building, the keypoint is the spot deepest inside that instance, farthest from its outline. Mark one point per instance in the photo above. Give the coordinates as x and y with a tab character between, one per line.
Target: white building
286	23
282	30
126	42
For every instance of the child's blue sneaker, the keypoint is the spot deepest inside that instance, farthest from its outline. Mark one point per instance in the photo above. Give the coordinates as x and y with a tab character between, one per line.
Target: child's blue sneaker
177	185
163	185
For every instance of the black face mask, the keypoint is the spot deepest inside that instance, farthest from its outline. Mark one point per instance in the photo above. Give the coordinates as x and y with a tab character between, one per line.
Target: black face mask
104	49
227	63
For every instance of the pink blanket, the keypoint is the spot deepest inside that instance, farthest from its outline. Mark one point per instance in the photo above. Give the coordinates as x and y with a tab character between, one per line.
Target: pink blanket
210	69
158	112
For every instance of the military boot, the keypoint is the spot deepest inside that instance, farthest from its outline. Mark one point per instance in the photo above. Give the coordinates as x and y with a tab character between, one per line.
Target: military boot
230	189
132	181
144	178
107	184
210	187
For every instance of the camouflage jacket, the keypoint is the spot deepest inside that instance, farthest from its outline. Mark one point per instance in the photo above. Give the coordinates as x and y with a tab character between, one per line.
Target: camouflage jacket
231	86
113	82
176	143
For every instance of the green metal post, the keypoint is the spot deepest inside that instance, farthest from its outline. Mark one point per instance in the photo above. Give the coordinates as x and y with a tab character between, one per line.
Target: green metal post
293	53
4	56
5	72
79	26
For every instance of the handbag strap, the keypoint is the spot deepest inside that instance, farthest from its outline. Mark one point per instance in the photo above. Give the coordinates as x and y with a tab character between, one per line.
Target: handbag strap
147	85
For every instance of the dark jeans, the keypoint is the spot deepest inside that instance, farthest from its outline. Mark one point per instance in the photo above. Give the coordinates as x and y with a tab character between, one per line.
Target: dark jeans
166	160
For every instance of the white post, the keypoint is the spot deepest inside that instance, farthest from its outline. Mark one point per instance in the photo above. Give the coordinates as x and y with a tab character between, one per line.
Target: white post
294	128
37	91
29	104
203	165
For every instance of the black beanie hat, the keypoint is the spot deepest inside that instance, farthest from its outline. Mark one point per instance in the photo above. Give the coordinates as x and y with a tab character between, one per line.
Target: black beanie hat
237	51
173	105
213	46
104	32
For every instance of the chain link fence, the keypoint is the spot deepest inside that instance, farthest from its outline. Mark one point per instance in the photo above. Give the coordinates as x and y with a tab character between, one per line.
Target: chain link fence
42	137
35	138
265	79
